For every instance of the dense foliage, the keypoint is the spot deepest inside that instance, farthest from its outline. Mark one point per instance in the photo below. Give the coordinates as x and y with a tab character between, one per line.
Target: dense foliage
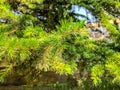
44	35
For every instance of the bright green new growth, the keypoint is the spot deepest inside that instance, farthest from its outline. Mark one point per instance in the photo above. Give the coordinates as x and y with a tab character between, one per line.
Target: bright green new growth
45	49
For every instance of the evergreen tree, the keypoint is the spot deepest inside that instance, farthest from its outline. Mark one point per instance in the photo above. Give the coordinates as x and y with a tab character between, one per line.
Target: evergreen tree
45	35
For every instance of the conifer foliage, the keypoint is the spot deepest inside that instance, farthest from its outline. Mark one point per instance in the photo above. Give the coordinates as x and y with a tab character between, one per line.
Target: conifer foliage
44	35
